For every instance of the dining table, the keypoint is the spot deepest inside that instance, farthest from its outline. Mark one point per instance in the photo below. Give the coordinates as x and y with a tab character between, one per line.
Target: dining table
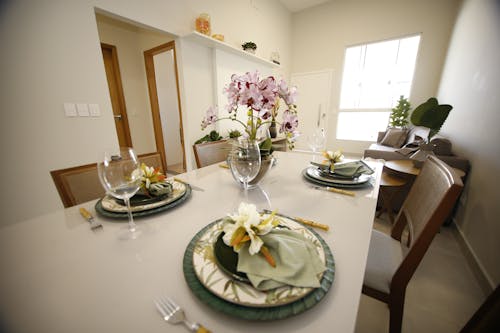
59	275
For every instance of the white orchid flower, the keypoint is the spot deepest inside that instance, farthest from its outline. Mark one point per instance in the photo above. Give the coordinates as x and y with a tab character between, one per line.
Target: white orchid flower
247	226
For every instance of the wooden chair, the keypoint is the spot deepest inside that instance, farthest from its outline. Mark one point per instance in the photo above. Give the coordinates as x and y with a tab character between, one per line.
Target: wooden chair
391	263
211	152
81	183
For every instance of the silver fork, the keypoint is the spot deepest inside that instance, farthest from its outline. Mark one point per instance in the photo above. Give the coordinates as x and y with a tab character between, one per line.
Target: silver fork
174	314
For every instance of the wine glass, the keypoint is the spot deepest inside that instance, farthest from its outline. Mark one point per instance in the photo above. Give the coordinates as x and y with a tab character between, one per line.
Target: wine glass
316	140
244	160
120	176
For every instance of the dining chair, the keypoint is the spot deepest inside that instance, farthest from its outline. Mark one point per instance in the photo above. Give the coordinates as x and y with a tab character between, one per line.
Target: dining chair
80	184
392	260
211	152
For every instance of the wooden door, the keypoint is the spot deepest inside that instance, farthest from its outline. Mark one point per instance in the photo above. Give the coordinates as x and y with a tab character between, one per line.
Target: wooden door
159	115
116	93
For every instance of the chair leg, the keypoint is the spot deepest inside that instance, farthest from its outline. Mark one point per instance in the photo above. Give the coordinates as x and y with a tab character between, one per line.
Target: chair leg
396	308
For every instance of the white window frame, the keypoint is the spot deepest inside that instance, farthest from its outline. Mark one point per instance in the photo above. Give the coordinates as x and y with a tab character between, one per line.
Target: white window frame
341	135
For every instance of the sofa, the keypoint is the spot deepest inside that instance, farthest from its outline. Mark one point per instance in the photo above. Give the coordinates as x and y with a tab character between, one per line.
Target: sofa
401	144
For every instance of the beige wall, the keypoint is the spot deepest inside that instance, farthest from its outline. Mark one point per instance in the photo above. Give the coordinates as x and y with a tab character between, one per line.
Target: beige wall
321	34
51	55
130	44
470	83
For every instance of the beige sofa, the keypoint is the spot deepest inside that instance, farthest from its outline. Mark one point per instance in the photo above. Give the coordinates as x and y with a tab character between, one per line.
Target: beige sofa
403	147
442	149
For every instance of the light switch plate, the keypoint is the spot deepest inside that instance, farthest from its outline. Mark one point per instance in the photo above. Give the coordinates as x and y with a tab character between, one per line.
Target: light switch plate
70	110
94	110
83	110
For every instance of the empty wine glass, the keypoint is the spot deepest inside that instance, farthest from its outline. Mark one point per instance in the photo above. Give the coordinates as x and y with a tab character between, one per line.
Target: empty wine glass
316	140
244	160
120	176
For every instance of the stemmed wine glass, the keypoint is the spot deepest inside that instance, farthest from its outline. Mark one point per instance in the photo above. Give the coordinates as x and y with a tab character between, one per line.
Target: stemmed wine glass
120	176
244	160
316	140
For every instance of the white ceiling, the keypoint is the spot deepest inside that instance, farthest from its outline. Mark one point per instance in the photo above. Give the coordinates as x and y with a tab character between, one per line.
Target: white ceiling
298	5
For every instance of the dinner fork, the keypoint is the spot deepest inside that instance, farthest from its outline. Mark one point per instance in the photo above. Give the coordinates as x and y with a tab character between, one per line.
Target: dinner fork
174	314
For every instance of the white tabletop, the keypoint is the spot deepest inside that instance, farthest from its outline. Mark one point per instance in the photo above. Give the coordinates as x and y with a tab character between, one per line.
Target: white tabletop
59	276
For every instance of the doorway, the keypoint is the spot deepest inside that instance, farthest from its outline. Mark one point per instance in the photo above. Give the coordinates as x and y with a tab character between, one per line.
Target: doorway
163	87
113	77
315	90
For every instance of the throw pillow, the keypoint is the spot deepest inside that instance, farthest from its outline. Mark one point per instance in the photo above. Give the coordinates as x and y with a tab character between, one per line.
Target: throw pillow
394	137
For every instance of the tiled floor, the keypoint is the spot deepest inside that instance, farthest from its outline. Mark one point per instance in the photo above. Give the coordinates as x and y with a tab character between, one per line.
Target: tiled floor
441	297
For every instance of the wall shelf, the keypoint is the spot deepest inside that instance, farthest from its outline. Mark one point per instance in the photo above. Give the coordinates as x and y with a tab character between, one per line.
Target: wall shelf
215	44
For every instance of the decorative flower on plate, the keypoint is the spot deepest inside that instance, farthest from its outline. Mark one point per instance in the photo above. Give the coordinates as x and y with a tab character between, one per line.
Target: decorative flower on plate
260	98
153	181
332	157
247	225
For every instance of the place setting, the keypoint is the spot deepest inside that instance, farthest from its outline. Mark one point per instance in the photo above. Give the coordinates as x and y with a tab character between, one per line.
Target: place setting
134	189
258	265
336	174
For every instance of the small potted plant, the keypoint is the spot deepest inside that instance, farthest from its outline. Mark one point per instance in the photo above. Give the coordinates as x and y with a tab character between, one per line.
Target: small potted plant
249	47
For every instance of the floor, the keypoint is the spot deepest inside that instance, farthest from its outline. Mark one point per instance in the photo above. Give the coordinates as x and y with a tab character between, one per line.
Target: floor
441	297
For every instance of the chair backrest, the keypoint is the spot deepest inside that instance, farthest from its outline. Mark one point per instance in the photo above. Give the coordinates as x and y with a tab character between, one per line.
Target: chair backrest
428	204
211	152
81	183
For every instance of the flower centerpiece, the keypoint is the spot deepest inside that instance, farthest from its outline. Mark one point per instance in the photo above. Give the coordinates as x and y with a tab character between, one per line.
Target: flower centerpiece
245	227
260	99
331	158
153	182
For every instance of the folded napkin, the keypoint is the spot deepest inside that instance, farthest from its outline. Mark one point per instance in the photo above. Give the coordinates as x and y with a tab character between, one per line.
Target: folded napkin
351	169
297	262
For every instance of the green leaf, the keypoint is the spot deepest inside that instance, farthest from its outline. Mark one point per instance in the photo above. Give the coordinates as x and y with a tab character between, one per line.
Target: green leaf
431	114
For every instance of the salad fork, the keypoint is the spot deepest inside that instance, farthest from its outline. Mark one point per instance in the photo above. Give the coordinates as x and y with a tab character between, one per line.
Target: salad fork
174	314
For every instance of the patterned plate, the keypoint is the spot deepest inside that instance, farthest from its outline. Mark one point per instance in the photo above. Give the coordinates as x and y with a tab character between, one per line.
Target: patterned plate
111	205
328	183
166	205
238	298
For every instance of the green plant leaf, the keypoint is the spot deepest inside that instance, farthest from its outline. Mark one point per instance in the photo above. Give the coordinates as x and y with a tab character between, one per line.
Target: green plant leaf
431	114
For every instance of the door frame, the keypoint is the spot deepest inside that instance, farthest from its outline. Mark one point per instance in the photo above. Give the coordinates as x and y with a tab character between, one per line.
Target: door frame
153	98
120	94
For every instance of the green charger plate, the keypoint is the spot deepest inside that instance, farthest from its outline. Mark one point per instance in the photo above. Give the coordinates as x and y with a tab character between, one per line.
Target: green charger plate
124	216
330	184
257	313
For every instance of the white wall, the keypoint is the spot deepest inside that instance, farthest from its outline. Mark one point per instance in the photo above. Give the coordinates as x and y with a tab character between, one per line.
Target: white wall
470	82
130	44
51	55
321	34
169	107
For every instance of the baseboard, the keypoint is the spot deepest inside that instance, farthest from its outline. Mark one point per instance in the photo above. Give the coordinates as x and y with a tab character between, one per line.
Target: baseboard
485	282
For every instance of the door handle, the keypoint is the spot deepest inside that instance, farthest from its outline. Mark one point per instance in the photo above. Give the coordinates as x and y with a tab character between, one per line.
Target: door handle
118	116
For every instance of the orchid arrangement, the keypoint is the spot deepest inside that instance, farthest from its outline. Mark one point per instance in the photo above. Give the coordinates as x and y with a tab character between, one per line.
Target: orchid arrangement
261	99
246	226
332	157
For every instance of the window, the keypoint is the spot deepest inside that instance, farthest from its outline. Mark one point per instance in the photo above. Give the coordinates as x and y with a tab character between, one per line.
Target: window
374	77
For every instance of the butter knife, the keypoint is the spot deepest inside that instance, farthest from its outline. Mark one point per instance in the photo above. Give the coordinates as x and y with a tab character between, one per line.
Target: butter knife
93	223
196	188
303	221
335	190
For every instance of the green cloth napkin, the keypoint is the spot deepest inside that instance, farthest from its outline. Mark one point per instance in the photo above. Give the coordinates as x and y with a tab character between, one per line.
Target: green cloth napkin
348	169
297	262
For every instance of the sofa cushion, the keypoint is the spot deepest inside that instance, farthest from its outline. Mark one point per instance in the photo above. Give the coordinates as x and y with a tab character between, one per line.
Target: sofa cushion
441	146
417	135
394	137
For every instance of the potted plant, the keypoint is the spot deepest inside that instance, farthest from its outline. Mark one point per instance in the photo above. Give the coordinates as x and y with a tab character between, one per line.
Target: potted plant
431	114
258	98
399	114
249	47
